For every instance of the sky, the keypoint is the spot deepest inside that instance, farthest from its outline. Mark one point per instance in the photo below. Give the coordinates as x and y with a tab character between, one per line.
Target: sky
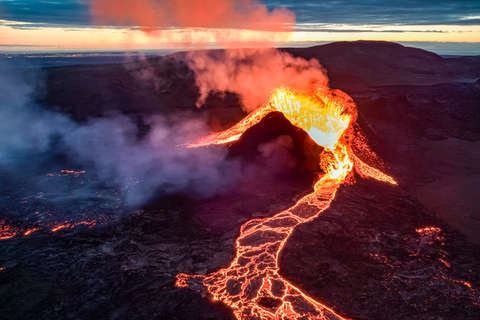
52	25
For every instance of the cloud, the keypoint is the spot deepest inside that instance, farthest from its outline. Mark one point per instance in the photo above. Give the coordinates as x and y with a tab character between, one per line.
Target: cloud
46	12
244	14
369	12
322	27
427	12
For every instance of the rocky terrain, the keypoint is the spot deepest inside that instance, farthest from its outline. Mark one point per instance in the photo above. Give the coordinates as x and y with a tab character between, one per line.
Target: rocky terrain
379	252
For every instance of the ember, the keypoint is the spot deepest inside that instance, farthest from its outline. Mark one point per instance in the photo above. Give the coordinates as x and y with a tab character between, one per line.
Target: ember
251	285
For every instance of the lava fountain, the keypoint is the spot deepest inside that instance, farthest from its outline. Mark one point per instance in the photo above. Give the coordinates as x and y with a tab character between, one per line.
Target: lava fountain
251	285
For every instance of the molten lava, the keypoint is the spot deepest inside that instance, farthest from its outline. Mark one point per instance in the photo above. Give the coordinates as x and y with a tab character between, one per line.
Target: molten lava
251	285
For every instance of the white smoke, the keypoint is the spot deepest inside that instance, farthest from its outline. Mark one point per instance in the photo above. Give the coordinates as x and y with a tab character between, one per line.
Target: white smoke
145	166
155	164
110	148
24	127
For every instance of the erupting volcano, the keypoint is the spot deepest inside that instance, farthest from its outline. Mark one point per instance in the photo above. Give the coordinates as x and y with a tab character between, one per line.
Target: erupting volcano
252	285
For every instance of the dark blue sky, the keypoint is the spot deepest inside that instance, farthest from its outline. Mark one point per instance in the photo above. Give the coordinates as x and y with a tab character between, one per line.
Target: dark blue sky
352	12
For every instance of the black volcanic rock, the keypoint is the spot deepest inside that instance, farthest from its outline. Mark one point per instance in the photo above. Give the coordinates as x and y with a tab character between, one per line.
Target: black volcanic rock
367	257
152	86
270	128
371	255
166	85
477	84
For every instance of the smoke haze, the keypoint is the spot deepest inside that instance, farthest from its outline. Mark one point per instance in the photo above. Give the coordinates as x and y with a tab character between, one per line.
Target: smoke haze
142	166
253	73
153	16
37	144
155	164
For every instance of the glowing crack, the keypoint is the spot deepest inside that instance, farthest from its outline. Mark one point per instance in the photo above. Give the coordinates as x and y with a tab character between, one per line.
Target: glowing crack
251	285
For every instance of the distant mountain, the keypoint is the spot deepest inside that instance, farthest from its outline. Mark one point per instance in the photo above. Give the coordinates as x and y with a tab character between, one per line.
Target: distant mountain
97	89
360	64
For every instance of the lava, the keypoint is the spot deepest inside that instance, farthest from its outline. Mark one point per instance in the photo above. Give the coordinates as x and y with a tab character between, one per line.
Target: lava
27	228
252	285
30	231
424	264
72	172
69	225
7	231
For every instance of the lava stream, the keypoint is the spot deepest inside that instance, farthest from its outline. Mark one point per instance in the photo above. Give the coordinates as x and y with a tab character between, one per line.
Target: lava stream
251	285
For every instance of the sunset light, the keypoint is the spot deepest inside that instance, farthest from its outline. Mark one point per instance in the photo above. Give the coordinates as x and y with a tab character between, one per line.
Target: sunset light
27	30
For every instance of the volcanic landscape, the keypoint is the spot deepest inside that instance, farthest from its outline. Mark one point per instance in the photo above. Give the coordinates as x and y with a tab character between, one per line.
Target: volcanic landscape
96	225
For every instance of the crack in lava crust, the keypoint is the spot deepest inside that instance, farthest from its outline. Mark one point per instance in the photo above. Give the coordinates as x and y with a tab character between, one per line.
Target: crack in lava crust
251	285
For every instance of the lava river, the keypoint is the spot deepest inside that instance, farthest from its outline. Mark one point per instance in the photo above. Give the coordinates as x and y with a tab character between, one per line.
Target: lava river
251	285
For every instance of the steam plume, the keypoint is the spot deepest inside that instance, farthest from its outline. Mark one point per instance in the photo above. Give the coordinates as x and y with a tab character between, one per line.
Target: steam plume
253	73
108	149
154	164
215	15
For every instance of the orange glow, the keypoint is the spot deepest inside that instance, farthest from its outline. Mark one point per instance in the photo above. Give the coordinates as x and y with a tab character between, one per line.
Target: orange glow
428	231
6	231
72	172
70	225
235	132
253	276
61	226
436	33
365	170
55	38
148	14
212	15
30	231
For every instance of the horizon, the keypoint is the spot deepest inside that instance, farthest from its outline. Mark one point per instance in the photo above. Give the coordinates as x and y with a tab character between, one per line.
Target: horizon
439	48
444	27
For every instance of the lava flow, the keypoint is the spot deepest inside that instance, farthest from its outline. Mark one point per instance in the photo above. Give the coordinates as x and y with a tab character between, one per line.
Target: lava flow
251	285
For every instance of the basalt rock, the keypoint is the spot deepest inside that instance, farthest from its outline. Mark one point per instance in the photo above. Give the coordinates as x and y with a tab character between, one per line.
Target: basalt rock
379	252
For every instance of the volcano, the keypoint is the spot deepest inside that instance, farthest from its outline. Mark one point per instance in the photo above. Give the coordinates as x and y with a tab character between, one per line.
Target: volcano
376	251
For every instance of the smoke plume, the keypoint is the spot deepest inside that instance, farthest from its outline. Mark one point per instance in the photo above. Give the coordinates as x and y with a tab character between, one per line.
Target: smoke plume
253	73
214	16
109	149
155	164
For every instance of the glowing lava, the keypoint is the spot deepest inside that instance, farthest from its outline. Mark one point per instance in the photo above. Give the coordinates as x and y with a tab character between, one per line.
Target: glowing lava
6	231
251	285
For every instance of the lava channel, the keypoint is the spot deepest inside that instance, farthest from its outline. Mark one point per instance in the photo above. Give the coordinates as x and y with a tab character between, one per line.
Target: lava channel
251	285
